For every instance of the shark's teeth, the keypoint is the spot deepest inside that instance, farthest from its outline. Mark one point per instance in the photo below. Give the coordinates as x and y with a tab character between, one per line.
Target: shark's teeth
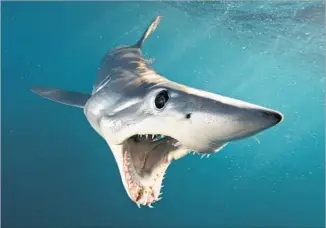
202	155
177	144
152	137
175	155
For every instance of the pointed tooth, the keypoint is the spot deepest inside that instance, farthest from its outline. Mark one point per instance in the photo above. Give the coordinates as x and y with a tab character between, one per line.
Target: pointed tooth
138	205
150	206
177	144
153	136
146	136
202	156
159	198
208	155
170	157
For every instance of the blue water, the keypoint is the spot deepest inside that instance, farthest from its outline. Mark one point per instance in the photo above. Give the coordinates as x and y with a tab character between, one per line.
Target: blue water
57	172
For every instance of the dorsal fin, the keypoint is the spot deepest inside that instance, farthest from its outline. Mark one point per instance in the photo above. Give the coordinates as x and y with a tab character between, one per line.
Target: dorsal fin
151	28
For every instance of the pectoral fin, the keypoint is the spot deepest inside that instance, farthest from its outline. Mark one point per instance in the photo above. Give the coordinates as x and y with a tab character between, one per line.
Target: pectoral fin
71	98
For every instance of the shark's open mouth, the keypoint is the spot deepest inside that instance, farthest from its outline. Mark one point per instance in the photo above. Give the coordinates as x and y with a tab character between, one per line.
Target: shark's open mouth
145	161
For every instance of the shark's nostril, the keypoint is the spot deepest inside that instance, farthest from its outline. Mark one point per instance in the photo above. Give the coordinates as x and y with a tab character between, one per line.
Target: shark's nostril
188	116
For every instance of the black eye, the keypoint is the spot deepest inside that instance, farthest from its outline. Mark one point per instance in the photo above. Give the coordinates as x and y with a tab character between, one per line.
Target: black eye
161	99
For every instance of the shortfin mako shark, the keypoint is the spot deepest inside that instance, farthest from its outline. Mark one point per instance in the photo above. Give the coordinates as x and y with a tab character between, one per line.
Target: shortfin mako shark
148	120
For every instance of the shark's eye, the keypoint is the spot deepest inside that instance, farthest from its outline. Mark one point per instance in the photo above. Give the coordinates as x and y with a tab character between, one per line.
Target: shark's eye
161	99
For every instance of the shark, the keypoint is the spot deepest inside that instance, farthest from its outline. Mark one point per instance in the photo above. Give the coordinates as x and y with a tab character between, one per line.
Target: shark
149	121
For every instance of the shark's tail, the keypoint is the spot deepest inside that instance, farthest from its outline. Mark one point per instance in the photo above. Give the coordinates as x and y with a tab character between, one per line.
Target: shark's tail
148	31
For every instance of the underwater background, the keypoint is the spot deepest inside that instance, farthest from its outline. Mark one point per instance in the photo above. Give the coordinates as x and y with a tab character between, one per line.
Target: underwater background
58	172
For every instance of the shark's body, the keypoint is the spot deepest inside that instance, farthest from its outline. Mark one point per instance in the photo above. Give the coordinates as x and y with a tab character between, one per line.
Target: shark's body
148	120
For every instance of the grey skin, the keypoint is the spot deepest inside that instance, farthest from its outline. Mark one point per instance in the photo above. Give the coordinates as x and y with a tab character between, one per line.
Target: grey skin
148	121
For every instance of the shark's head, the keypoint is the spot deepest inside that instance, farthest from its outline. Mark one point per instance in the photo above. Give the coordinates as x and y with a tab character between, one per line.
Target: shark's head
156	123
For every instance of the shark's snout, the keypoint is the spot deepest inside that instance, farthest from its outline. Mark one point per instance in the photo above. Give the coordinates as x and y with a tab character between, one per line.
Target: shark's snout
247	122
274	116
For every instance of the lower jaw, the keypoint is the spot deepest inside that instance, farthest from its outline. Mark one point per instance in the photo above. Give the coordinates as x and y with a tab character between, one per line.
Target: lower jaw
156	186
140	193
